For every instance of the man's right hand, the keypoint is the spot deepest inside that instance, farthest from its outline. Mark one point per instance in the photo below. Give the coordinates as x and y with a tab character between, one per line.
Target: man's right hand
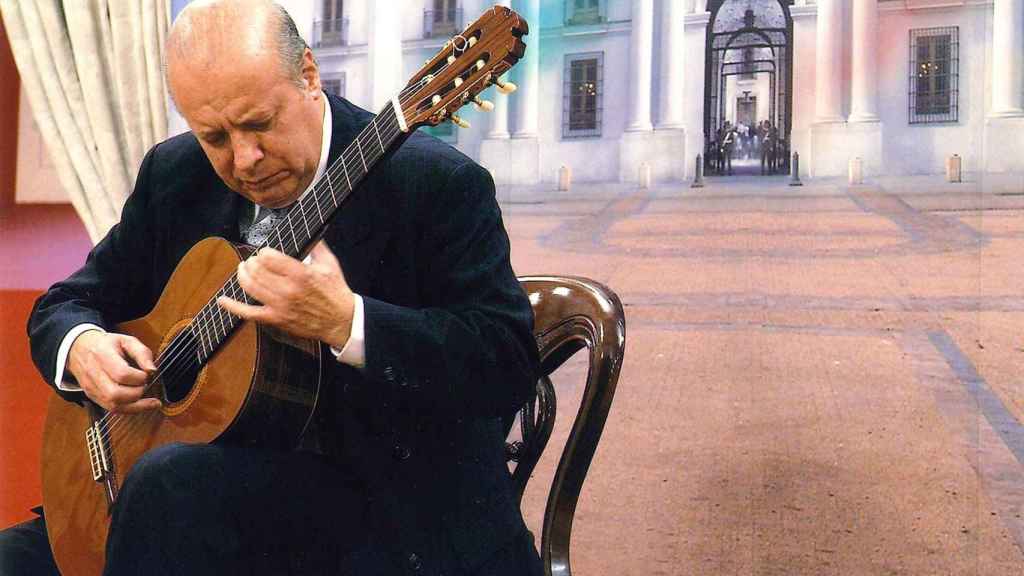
113	370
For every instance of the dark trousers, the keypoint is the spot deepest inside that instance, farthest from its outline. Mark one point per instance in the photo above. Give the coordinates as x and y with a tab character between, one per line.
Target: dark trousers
214	509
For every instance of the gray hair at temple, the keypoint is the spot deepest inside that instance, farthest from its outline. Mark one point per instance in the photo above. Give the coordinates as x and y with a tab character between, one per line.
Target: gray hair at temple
204	26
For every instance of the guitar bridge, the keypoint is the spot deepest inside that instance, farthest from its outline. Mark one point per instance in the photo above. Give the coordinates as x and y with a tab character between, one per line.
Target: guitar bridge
98	457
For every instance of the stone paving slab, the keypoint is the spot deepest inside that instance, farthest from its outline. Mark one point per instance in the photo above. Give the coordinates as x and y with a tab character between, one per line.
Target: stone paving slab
828	382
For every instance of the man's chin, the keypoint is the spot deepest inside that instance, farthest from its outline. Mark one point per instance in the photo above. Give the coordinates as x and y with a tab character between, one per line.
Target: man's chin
279	196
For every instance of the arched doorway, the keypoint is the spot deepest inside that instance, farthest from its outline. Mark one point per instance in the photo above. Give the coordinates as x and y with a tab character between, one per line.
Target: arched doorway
748	80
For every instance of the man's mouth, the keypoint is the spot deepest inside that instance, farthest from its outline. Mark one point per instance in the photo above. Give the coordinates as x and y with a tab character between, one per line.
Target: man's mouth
264	182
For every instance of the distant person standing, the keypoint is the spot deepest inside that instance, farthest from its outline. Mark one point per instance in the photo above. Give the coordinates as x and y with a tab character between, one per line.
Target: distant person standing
767	148
728	146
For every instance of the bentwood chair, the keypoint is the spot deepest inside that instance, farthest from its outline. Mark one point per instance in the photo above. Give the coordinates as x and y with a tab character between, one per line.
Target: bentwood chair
570	314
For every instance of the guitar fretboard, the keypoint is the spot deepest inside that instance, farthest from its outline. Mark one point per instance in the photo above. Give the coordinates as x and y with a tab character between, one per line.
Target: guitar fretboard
304	222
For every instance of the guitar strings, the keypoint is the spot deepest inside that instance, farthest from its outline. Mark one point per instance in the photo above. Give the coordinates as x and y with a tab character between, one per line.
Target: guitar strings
180	346
170	364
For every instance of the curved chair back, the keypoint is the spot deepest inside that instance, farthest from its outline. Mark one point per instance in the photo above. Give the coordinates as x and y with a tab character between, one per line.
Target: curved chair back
570	313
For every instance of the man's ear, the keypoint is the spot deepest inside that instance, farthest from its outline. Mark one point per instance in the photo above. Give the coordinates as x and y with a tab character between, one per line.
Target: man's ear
310	73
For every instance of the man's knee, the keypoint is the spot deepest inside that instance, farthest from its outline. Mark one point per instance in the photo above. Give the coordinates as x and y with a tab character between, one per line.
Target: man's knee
167	478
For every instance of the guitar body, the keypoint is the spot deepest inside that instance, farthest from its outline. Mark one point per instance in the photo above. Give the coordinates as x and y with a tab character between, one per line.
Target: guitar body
260	388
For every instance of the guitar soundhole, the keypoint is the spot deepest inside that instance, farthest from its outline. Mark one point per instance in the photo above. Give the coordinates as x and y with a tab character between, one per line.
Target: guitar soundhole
178	384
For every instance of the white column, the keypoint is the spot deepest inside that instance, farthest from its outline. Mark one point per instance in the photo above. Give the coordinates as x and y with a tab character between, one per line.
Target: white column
828	62
527	98
641	45
499	116
864	103
385	53
1008	58
673	61
700	6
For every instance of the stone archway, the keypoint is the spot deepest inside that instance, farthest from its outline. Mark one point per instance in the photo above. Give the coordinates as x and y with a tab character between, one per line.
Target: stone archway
749	50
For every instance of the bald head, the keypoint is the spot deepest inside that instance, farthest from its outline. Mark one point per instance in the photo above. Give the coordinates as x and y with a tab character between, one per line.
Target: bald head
212	33
249	88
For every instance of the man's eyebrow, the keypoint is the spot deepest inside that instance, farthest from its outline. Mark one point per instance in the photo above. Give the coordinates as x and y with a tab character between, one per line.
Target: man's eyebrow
255	116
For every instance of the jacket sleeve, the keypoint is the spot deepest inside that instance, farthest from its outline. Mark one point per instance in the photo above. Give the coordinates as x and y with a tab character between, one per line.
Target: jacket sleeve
109	288
470	348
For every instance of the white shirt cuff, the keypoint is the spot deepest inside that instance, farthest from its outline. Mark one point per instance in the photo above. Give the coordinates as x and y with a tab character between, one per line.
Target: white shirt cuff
354	352
62	356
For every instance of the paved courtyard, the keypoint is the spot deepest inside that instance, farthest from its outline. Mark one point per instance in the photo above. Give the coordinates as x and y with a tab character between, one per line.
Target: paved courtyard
818	380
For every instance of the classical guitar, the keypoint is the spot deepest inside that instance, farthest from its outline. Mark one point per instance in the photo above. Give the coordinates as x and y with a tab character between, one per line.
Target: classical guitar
223	379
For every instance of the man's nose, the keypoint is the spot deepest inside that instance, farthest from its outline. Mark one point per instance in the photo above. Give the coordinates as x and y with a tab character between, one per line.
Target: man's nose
247	152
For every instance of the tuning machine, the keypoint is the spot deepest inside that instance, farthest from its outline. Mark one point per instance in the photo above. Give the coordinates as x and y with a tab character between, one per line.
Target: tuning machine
505	87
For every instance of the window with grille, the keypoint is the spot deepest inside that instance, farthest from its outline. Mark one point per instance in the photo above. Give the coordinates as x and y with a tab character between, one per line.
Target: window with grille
934	75
578	12
583	94
332	28
444	18
334	84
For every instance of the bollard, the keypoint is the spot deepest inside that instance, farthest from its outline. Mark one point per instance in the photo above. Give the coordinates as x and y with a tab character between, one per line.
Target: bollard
953	169
564	178
645	175
698	175
856	175
794	170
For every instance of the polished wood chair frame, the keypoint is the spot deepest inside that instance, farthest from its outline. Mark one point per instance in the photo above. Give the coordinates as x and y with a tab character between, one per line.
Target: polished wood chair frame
571	313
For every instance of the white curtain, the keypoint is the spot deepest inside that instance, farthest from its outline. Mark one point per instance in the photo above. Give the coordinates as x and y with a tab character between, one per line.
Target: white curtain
93	75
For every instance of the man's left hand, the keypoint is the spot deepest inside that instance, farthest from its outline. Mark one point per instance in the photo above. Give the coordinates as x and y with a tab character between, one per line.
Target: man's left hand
306	300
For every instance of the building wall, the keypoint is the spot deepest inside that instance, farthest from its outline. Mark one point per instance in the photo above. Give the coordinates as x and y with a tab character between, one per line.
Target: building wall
923	148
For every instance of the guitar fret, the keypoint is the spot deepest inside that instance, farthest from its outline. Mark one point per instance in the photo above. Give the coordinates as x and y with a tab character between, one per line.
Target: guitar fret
309	234
344	165
291	228
316	201
359	146
330	188
375	129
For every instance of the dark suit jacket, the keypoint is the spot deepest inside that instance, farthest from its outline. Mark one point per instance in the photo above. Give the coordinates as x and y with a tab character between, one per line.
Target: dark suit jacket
449	346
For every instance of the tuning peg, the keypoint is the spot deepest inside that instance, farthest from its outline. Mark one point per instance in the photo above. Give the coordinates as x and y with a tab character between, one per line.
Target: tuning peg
459	121
505	87
483	105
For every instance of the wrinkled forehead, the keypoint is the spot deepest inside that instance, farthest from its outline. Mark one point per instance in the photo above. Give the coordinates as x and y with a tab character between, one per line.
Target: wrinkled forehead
228	94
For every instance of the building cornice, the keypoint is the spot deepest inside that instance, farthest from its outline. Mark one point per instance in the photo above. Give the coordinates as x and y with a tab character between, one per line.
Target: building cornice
698	18
913	5
584	30
804	11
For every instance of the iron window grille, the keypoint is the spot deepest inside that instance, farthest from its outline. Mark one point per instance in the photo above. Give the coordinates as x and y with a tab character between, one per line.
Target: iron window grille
583	95
444	20
583	12
335	84
934	75
332	28
329	33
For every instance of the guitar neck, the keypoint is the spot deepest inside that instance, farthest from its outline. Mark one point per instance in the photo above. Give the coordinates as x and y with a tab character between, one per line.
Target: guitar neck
306	220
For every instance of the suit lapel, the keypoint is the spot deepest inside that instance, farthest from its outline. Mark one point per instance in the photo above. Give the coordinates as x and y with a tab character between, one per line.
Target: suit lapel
360	230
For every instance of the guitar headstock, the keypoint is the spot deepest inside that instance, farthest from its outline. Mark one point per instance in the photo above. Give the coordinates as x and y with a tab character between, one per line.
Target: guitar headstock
466	65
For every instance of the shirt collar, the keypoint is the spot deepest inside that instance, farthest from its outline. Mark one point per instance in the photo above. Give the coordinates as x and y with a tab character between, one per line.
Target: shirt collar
325	148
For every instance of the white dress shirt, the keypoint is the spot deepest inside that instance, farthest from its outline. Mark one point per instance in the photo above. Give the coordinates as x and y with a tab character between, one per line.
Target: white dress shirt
354	352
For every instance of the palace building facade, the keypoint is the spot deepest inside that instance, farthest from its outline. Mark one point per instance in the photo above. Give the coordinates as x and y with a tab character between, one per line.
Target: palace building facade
615	88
